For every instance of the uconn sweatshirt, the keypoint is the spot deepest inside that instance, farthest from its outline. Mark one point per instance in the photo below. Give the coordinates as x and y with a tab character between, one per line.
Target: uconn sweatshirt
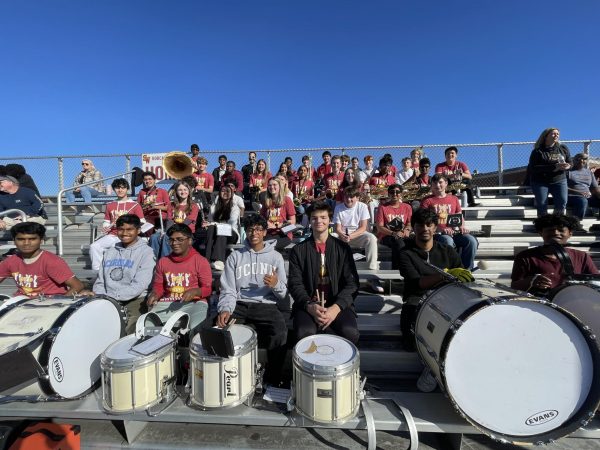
242	278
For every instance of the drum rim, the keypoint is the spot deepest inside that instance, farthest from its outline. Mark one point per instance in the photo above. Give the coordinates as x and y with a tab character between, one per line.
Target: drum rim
578	420
107	363
318	369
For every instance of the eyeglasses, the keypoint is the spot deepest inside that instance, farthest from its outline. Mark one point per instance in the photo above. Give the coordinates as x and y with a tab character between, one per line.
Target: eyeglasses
254	230
395	191
178	240
425	165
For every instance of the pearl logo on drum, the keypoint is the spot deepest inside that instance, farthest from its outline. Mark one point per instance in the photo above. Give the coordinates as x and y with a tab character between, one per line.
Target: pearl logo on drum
541	417
229	376
57	369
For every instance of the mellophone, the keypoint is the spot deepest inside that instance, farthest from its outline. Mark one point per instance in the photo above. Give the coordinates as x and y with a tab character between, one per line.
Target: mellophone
519	368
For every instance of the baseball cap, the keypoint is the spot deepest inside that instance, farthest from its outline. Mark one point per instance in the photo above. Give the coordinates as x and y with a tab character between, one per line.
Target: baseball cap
9	178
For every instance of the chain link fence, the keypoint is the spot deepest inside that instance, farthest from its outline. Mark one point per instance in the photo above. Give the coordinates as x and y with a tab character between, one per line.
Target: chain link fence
494	164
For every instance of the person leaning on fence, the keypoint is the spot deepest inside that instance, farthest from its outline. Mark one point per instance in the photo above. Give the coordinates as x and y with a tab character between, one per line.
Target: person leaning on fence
113	211
88	173
16	197
126	270
445	204
18	171
323	281
583	188
547	171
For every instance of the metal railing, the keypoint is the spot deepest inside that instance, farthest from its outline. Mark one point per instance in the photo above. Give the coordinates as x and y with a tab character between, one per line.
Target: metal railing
59	204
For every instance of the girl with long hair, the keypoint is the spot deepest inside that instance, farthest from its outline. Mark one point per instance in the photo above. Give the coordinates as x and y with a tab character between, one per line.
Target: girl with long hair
279	211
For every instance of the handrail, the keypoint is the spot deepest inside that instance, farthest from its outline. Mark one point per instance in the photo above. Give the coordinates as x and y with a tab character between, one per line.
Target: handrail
72	188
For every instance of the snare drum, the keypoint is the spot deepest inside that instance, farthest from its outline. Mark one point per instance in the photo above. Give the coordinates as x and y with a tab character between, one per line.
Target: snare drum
65	336
520	369
326	385
219	382
133	382
583	301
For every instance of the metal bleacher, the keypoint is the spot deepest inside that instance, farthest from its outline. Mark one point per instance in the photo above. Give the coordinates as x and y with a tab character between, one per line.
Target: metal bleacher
391	372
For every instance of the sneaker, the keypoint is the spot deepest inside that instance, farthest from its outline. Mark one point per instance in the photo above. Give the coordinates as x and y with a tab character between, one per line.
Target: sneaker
218	265
376	286
426	382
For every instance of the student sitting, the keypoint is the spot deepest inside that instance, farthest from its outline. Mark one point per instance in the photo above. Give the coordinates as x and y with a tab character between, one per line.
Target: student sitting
253	289
393	222
323	281
113	211
224	211
35	271
127	268
182	280
279	211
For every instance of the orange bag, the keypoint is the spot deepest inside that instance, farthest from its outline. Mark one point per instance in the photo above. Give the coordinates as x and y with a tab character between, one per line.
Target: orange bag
48	436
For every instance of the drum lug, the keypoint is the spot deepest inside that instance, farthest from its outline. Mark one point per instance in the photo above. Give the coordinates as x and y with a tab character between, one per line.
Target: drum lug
260	373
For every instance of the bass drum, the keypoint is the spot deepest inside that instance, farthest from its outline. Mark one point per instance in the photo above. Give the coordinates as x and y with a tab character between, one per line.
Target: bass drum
522	370
65	337
583	301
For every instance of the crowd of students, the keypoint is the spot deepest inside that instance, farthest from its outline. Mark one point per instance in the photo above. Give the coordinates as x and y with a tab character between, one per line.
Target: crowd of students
340	208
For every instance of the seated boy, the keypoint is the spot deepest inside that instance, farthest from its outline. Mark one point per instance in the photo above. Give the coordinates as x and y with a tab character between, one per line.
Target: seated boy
114	210
36	271
537	270
253	289
182	280
127	268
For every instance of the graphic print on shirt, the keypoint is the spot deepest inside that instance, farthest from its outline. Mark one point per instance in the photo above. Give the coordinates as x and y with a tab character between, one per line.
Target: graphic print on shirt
442	210
27	283
179	216
275	216
121	209
177	284
256	268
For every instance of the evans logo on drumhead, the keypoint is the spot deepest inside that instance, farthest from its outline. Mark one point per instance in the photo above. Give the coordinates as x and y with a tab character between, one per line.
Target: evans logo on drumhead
541	417
57	369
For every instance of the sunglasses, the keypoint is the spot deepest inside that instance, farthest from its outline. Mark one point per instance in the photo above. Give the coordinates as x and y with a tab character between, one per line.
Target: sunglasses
395	191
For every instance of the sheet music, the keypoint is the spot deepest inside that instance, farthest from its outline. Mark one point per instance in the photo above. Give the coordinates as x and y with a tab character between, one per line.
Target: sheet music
146	227
152	345
223	229
289	228
277	395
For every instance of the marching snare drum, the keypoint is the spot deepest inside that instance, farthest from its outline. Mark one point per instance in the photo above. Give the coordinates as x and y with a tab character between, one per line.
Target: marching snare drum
65	336
583	301
133	381
224	382
520	369
326	386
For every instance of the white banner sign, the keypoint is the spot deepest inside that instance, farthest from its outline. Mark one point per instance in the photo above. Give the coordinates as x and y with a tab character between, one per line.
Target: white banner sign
152	162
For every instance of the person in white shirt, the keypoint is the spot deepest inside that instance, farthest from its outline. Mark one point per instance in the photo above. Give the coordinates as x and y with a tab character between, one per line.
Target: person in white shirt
351	220
406	172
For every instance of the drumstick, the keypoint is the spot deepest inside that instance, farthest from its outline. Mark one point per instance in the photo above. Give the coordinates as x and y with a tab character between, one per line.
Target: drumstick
231	322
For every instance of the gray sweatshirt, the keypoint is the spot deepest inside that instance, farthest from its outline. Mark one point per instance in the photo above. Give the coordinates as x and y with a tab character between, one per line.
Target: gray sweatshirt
243	276
126	273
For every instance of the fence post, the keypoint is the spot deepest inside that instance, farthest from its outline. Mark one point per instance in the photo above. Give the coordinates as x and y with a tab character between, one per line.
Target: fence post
61	175
500	165
269	161
586	148
127	163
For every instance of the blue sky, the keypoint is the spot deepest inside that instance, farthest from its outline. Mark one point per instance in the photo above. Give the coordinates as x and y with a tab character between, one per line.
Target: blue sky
88	77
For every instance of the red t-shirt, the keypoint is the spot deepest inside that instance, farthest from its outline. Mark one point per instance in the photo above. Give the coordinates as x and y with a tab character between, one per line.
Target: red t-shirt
323	170
423	180
304	188
381	181
114	210
176	274
387	213
260	181
332	182
324	283
179	215
46	275
443	207
153	196
277	215
450	170
235	175
393	171
204	181
532	261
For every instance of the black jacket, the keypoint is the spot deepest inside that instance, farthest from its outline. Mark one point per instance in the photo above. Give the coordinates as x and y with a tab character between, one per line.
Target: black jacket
542	162
412	266
304	273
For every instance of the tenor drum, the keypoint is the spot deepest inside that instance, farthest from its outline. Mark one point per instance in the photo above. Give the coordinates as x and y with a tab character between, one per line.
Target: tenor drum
520	369
133	382
583	301
224	382
65	338
326	385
